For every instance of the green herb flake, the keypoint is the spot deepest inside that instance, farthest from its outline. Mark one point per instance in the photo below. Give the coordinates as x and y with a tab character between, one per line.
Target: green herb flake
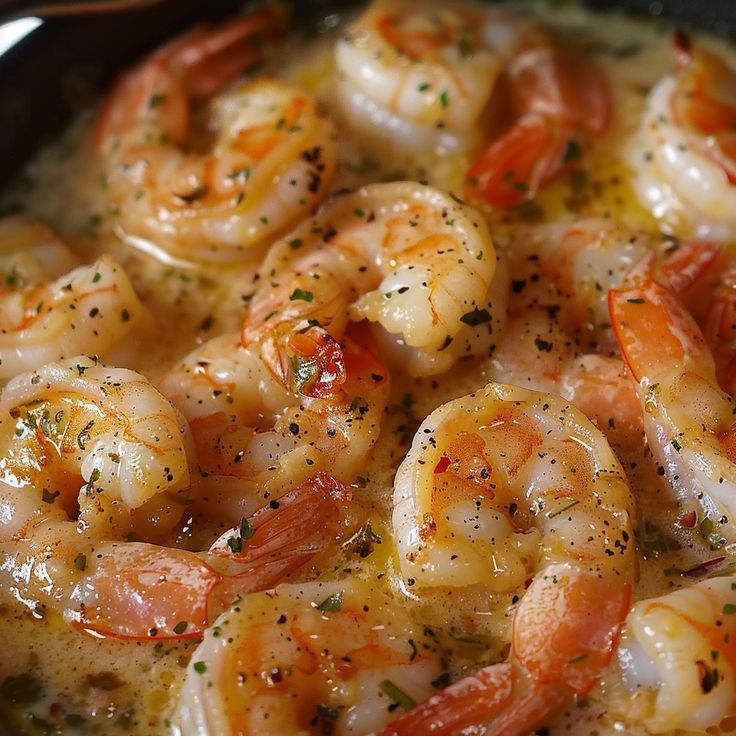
562	510
304	371
181	627
80	562
246	530
637	301
235	544
156	99
240	174
573	150
301	295
397	695
578	659
96	277
445	99
199	667
729	608
331	604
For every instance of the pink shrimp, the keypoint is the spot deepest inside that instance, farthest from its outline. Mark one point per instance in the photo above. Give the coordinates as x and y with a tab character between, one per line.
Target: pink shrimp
146	592
523	479
555	99
688	419
268	166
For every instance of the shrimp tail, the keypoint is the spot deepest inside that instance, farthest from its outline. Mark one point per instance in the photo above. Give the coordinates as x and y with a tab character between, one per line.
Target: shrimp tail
208	57
144	592
514	166
197	64
654	331
465	703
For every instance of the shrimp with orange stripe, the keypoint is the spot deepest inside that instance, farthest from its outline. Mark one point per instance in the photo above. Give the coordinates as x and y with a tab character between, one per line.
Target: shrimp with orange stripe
53	308
322	657
421	72
684	155
678	657
559	103
504	485
268	166
93	455
558	335
688	418
302	389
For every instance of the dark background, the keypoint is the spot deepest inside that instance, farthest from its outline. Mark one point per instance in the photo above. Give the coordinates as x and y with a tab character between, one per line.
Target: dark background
66	62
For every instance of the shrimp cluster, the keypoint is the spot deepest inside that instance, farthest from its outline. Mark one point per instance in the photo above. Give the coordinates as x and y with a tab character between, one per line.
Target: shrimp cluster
429	459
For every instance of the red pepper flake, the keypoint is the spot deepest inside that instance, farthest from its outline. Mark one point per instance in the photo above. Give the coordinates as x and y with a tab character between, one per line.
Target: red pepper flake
442	465
688	520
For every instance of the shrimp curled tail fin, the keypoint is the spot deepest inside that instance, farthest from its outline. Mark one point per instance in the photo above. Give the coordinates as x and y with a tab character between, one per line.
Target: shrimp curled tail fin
551	660
143	591
655	332
197	63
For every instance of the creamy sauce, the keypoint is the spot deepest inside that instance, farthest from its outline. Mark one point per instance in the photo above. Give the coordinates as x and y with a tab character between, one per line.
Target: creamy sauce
55	680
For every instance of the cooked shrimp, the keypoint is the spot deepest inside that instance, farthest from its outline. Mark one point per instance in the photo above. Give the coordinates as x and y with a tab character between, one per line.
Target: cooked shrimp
558	320
51	309
317	658
406	257
143	591
423	71
684	155
87	452
498	484
557	101
688	419
256	435
268	166
678	654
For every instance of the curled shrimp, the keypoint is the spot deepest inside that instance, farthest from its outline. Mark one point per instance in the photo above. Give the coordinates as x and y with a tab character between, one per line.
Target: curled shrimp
684	155
423	71
146	592
688	419
256	435
52	308
500	485
322	657
677	655
557	102
268	166
406	257
558	331
88	452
